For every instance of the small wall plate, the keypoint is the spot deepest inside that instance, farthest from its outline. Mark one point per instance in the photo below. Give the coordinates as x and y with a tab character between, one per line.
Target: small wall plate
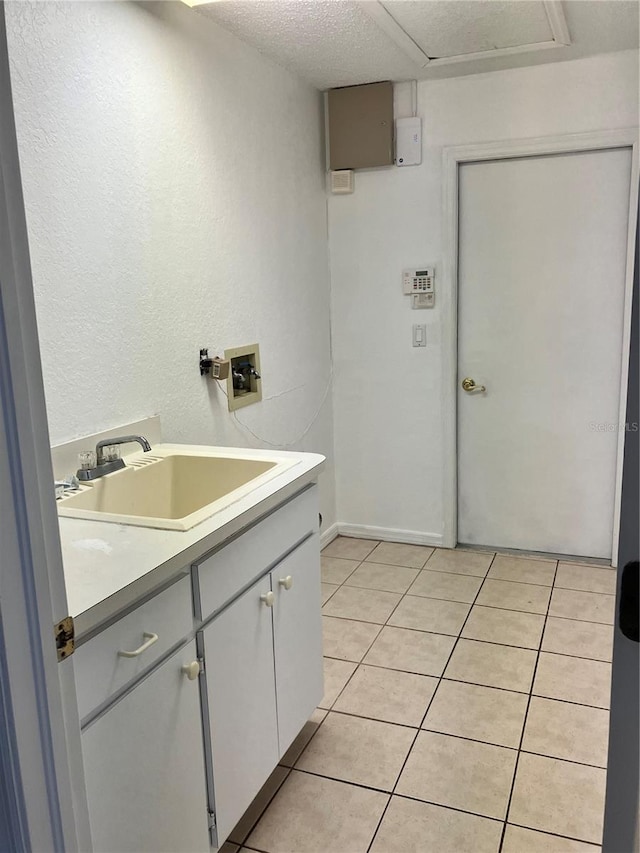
253	393
342	181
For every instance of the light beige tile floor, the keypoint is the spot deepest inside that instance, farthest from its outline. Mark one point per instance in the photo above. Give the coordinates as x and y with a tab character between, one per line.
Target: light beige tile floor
463	774
356	749
336	570
586	578
586	682
588	606
336	674
410	651
369	605
397	554
507	627
387	578
564	730
446	586
480	713
523	571
410	826
387	694
510	595
579	639
327	590
429	614
465	709
520	840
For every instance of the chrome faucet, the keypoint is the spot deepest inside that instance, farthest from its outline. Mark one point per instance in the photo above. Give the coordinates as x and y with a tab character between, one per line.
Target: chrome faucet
123	439
105	465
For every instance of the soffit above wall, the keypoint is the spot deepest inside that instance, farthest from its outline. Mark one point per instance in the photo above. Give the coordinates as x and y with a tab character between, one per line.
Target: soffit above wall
345	42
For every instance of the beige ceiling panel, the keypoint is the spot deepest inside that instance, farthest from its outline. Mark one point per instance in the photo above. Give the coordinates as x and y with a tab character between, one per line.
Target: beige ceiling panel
442	28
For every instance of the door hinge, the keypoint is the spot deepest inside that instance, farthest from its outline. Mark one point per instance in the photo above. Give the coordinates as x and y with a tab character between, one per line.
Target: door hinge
212	820
64	632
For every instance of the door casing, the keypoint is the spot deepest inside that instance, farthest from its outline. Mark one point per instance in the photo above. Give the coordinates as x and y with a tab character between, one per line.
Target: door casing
44	796
453	157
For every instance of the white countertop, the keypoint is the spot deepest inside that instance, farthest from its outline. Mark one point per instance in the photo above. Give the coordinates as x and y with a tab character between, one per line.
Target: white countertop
109	566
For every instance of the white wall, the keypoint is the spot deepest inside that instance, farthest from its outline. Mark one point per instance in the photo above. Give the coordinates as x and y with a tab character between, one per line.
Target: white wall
387	398
174	191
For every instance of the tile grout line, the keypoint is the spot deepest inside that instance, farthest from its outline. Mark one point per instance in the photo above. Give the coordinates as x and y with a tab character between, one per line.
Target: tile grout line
441	677
263	810
488	606
329	710
516	553
477	683
540	556
427	802
426	568
384	811
424	716
526	716
421	728
360	662
596	847
472	640
291	768
389	794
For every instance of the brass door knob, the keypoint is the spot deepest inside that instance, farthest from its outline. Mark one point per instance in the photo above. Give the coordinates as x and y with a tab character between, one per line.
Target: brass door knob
469	385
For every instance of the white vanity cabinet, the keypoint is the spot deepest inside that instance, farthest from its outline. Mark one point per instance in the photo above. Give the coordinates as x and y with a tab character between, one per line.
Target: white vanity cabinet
238	651
189	697
144	766
297	639
263	657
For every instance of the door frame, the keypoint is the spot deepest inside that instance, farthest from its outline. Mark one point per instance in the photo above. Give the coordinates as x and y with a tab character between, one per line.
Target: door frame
453	158
42	795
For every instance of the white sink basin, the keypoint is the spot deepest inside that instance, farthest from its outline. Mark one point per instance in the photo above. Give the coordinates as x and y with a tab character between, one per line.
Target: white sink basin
171	489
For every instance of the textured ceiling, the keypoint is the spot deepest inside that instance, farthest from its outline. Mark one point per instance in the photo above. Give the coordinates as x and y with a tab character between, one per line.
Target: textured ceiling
445	28
330	43
335	43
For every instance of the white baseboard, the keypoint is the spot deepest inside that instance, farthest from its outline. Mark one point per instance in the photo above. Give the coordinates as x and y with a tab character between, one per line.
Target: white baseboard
389	534
329	535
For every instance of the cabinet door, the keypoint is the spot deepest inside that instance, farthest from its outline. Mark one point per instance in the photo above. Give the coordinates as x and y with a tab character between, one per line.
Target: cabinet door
144	767
297	627
238	650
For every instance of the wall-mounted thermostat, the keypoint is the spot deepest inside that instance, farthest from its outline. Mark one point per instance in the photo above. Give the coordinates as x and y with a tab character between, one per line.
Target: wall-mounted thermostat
420	285
408	141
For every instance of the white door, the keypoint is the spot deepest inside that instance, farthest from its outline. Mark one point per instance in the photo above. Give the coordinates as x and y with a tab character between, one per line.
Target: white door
42	802
542	251
297	638
144	767
240	682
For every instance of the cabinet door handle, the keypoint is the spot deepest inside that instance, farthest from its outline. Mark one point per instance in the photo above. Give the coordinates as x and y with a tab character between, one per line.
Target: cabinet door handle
191	670
267	597
287	582
150	640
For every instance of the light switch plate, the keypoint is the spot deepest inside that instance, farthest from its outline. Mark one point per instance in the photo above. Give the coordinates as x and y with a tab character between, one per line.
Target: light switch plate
419	335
